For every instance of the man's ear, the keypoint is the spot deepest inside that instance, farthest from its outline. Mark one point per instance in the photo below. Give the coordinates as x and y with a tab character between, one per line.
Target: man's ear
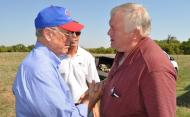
136	33
47	34
137	30
140	31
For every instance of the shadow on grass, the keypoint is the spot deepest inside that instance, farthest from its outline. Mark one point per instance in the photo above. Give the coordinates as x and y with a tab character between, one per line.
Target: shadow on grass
184	99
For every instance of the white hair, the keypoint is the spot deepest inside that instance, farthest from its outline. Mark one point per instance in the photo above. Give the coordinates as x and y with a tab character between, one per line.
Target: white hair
135	16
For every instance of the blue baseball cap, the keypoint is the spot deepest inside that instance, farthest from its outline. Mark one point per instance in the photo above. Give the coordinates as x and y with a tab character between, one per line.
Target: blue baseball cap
55	16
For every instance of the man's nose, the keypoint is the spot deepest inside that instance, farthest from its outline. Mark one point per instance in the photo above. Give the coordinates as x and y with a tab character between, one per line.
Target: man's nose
109	32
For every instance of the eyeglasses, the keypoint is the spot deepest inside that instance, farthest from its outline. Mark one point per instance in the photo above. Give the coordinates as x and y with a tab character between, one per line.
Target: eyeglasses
67	33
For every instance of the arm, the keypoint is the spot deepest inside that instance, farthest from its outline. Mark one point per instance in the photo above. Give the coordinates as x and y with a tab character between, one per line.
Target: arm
49	96
159	94
94	93
96	107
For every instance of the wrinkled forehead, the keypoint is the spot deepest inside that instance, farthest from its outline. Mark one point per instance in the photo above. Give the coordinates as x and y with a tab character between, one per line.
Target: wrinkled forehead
116	18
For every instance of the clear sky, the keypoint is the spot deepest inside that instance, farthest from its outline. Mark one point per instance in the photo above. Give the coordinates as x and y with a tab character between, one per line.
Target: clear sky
17	19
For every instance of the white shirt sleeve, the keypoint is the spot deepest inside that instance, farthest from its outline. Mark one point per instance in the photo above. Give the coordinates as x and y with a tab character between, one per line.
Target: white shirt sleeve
92	71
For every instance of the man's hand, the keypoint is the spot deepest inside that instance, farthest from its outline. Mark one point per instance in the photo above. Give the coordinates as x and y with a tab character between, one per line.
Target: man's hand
92	95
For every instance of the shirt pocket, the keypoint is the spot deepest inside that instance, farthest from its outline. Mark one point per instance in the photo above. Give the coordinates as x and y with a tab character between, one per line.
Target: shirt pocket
81	67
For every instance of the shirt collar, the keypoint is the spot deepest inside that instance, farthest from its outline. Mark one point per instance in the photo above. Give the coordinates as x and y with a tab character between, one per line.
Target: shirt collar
79	52
55	59
131	56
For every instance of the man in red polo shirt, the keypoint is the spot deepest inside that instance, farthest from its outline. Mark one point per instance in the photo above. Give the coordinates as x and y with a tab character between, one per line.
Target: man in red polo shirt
142	81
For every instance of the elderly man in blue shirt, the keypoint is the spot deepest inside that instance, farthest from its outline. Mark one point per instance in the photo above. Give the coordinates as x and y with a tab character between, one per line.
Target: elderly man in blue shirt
39	89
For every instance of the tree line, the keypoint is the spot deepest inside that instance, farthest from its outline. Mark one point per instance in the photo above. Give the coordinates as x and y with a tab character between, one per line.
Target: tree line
171	45
16	48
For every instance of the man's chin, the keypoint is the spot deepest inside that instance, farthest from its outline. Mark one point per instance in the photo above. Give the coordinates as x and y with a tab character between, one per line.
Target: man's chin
65	51
112	46
74	45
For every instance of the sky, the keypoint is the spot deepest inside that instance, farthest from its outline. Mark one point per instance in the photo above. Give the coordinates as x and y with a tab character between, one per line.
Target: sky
169	17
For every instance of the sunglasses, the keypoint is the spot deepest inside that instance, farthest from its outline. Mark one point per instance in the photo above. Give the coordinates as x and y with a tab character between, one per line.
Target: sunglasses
74	33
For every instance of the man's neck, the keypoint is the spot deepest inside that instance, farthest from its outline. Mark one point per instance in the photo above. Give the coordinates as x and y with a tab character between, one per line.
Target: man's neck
123	59
72	51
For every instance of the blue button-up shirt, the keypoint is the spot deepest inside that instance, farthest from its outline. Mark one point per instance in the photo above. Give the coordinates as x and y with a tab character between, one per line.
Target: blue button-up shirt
40	90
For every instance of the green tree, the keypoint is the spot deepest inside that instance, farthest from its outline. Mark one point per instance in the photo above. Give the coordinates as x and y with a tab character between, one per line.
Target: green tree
171	45
185	46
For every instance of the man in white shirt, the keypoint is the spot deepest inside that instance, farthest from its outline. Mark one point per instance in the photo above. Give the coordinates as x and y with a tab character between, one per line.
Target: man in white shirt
78	69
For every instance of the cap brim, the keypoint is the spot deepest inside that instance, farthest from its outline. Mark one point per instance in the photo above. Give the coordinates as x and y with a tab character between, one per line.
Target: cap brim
72	26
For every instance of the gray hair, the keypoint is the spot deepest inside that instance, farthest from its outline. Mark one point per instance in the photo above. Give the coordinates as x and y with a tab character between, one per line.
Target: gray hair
39	33
135	15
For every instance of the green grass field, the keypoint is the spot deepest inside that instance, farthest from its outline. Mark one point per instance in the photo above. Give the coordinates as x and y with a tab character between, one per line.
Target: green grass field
9	63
